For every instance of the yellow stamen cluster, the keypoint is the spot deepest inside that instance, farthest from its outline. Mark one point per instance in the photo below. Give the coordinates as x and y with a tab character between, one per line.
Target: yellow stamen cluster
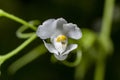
61	38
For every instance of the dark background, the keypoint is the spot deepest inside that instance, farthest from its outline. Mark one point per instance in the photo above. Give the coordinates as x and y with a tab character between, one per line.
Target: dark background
84	13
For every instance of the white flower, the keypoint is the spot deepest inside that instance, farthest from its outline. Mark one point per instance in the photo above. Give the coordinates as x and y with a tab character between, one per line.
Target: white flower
59	31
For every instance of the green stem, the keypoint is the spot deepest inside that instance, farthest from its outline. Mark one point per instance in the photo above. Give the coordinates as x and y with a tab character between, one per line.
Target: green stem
22	46
20	34
21	31
5	14
27	58
107	18
104	38
99	70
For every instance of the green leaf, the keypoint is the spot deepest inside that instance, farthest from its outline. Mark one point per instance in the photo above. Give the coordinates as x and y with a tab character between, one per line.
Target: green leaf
87	39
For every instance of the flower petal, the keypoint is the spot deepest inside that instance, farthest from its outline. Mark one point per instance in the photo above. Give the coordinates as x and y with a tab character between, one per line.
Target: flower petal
59	23
51	27
50	48
61	57
65	54
70	48
72	31
45	30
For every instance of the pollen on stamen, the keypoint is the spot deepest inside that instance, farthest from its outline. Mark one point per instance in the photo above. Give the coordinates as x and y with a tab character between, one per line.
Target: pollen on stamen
61	38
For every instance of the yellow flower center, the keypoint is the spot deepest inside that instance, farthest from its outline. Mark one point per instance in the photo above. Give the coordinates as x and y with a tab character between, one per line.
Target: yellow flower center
61	38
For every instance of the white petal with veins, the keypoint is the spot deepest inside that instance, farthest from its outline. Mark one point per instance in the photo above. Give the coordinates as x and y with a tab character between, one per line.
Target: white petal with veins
72	31
70	48
50	48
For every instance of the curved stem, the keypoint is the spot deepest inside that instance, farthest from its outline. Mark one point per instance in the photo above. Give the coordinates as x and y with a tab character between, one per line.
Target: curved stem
20	34
10	16
22	46
76	62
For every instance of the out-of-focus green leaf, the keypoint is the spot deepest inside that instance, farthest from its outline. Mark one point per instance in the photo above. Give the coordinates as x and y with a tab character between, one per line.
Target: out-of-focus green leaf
81	69
88	38
106	45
